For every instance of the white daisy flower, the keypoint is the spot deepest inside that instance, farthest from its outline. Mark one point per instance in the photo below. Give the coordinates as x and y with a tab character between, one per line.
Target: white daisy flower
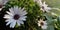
42	23
2	3
43	5
16	15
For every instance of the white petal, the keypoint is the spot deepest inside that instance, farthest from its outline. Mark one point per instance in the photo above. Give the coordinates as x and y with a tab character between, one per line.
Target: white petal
21	22
16	10
39	24
18	22
44	27
11	10
45	23
0	9
5	1
9	22
24	13
40	2
23	18
22	9
7	16
9	13
44	4
12	25
20	12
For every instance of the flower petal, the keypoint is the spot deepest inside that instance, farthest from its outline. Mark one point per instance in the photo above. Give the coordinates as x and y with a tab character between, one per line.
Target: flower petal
9	13
18	22
24	13
7	16
44	27
21	22
23	18
9	22
12	25
11	10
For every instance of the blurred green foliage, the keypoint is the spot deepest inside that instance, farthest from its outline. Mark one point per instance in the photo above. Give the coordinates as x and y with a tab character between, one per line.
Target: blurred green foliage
53	3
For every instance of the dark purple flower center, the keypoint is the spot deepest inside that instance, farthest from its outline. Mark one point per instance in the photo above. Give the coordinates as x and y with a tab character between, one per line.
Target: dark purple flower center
1	6
16	17
42	7
42	23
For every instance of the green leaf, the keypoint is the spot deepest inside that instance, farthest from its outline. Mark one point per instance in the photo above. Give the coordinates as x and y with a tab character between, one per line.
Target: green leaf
49	19
50	27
